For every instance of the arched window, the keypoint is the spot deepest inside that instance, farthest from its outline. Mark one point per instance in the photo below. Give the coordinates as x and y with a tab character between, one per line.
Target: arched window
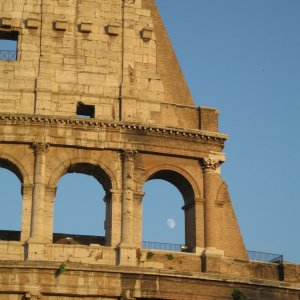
10	201
79	207
168	212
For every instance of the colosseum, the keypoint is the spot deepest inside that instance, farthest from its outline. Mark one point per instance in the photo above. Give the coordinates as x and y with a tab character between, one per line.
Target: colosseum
94	87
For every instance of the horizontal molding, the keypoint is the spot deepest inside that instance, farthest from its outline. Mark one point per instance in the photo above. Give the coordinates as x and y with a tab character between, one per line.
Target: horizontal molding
96	123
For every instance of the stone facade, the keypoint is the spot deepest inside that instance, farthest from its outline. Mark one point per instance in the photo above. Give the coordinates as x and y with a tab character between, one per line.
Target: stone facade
96	89
95	53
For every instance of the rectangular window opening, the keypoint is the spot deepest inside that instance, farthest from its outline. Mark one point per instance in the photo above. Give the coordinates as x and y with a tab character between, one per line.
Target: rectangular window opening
85	111
9	45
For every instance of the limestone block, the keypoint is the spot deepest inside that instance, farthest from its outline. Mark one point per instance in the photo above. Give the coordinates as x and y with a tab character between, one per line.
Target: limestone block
113	29
155	86
7	6
112	80
290	272
6	22
65	77
4	83
35	251
128	256
67	88
21	72
60	25
96	89
90	78
213	259
32	23
138	4
155	265
208	118
146	33
85	27
64	10
106	7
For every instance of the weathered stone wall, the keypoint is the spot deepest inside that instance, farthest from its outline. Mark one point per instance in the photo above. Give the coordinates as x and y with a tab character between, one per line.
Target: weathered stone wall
102	53
98	152
47	148
111	62
45	281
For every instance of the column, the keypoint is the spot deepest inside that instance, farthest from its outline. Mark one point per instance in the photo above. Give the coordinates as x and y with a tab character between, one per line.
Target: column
128	197
37	214
211	262
210	173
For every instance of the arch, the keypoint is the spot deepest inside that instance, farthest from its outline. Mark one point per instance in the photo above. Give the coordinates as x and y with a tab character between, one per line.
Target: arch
163	200
101	173
189	190
11	210
13	165
79	197
175	175
86	166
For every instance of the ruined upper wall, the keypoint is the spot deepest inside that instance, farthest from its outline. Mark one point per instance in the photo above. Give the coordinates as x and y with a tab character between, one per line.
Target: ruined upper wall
113	56
168	68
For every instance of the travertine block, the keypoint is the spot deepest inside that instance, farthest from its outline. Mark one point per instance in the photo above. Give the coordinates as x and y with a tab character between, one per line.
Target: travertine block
146	33
90	78
113	29
6	22
32	23
155	86
85	27
60	25
65	77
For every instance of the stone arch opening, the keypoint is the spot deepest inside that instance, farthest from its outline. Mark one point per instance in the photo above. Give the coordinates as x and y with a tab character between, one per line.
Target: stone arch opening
11	180
186	196
85	211
93	170
7	164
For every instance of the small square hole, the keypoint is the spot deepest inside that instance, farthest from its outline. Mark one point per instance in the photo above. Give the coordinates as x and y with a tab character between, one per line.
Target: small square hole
9	45
85	111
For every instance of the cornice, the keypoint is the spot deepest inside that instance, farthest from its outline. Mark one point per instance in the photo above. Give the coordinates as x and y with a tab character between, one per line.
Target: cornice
100	124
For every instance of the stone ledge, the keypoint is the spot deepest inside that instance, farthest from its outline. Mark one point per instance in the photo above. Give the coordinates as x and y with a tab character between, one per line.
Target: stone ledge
191	133
130	270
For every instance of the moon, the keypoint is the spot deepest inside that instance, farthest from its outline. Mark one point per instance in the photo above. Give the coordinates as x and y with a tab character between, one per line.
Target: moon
171	223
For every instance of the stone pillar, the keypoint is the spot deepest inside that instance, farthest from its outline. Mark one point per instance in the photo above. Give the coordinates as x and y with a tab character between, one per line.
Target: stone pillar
113	218
211	255
37	214
194	215
128	197
50	193
26	211
210	168
127	249
138	219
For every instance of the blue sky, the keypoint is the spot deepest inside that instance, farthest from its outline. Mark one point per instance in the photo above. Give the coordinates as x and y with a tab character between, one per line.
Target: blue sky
241	57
